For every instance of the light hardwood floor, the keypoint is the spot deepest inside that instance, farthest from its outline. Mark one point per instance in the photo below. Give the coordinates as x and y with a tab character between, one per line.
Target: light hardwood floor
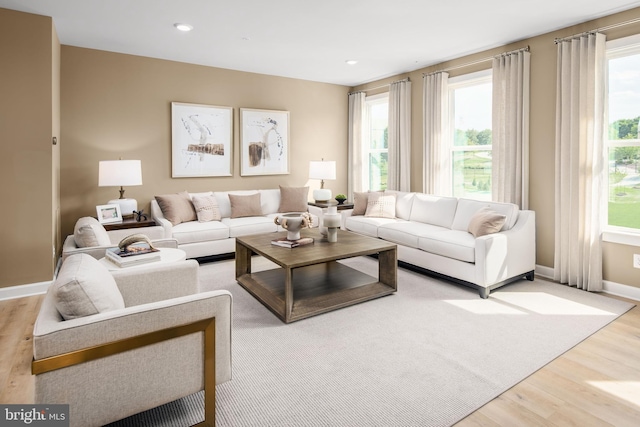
597	383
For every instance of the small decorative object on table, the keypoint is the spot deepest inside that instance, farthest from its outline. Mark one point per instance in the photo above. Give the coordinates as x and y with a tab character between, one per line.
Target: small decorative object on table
133	250
341	198
140	216
293	223
332	220
286	243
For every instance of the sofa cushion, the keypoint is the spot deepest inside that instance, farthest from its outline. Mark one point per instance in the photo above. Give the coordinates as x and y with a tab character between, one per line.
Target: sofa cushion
243	206
195	231
404	203
366	225
249	225
270	201
177	208
206	208
407	233
381	205
435	210
486	221
454	244
85	287
89	232
467	208
293	199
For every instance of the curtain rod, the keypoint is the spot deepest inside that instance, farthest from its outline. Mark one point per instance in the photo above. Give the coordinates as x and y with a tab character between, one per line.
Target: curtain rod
479	61
406	79
597	30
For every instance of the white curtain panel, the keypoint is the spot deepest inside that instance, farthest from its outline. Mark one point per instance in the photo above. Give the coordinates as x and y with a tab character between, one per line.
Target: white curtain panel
510	129
399	170
356	110
437	158
580	165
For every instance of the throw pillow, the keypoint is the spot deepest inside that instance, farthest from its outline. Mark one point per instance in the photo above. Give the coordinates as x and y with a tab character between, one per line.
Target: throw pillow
89	232
360	203
486	221
206	208
177	207
381	205
242	206
85	287
293	199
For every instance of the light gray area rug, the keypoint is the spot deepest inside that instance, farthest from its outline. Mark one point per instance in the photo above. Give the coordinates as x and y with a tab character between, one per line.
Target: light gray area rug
427	355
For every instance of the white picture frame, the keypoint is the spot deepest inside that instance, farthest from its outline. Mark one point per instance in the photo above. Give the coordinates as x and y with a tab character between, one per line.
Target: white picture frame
108	214
264	142
201	140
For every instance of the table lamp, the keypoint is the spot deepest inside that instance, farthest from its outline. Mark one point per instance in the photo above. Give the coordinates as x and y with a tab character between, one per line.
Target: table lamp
322	170
120	173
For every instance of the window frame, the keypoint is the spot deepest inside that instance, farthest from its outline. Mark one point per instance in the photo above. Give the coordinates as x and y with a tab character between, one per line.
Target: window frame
366	137
617	48
455	83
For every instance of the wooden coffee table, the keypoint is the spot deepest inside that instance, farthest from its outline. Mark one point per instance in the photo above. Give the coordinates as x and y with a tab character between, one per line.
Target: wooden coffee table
310	281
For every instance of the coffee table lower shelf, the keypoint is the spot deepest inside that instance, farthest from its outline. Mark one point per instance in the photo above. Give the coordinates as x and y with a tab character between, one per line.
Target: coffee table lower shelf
318	288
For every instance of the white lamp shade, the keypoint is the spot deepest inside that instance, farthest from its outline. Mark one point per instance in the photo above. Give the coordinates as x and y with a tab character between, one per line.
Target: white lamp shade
322	170
119	173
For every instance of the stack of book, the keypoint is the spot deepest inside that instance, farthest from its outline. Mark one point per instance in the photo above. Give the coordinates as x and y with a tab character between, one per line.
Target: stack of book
286	243
136	254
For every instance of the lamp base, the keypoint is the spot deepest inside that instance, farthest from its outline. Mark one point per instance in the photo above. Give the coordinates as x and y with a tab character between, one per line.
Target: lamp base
127	206
322	195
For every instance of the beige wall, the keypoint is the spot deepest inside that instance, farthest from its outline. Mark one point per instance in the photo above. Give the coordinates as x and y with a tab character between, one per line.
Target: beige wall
617	260
29	50
116	105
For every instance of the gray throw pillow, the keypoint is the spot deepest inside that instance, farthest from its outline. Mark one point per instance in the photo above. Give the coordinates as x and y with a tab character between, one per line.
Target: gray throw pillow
293	199
242	206
486	221
85	287
88	232
177	208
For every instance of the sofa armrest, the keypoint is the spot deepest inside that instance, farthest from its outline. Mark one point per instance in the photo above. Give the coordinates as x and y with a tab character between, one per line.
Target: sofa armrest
344	214
158	217
69	247
507	254
156	282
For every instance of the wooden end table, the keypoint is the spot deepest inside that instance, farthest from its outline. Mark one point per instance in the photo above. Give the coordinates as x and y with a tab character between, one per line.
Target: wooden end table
310	281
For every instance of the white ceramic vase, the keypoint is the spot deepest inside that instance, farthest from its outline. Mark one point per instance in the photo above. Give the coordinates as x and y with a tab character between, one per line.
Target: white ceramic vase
293	223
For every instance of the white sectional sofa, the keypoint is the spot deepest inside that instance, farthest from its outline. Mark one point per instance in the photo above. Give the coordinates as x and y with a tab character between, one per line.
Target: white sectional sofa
217	237
432	233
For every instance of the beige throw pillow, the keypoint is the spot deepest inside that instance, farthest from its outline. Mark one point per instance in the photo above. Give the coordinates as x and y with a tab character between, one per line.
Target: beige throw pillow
360	201
177	207
293	199
85	287
381	205
206	208
88	232
242	206
486	221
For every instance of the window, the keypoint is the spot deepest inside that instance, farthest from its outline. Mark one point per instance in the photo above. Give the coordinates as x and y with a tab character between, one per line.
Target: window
622	141
470	135
375	150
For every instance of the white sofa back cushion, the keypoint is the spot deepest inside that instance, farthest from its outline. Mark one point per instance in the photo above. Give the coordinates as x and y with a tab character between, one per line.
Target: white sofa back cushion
467	208
404	202
435	210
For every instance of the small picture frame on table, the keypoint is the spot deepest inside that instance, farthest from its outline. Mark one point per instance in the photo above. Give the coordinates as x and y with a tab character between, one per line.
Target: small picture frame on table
108	214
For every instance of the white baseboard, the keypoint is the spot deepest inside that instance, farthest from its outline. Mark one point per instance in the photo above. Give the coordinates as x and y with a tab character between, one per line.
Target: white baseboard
28	290
612	288
621	290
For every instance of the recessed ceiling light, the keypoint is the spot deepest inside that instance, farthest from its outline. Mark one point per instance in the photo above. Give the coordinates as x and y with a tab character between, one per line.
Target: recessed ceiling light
183	27
351	62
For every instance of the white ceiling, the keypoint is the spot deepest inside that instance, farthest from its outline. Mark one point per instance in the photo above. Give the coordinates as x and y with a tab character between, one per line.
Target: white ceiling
311	40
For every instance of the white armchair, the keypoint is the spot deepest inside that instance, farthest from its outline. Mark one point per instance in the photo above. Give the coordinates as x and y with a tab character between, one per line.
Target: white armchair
163	341
90	237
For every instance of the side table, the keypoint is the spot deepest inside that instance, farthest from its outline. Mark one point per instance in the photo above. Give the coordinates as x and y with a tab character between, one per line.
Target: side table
341	207
129	223
167	255
319	209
